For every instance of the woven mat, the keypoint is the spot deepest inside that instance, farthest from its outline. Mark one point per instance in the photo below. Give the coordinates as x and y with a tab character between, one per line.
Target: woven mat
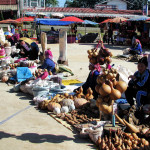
70	82
64	123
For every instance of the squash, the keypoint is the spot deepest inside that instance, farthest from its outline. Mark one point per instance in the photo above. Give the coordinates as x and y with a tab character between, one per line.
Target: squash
52	105
121	86
104	90
79	102
131	128
115	94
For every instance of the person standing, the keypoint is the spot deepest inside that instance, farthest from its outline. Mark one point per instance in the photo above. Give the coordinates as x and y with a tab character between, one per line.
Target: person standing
110	34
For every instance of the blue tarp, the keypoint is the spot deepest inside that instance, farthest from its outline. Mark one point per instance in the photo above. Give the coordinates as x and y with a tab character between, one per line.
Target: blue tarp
23	73
53	22
139	18
89	22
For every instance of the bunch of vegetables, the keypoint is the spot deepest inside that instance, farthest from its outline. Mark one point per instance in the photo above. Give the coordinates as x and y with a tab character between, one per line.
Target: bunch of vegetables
74	118
109	90
103	56
122	141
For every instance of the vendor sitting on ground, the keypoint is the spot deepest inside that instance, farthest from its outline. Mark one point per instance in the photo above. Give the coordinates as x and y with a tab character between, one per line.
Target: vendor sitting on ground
48	64
139	85
136	48
91	80
24	49
33	53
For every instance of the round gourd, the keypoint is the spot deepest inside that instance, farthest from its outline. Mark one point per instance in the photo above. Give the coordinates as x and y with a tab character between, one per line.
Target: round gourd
78	102
52	105
5	78
121	86
104	90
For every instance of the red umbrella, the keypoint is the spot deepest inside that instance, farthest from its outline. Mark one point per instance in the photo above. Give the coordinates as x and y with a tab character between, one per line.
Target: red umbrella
117	20
73	19
25	19
9	21
105	21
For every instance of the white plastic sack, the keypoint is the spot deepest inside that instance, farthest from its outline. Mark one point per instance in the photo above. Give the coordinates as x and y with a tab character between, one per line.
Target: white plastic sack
94	134
124	73
23	88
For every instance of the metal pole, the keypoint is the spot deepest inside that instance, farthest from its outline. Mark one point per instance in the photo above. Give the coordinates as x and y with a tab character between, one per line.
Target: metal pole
147	8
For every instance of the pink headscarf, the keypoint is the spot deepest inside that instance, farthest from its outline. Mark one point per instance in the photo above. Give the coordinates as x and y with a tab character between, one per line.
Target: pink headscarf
48	54
138	41
96	66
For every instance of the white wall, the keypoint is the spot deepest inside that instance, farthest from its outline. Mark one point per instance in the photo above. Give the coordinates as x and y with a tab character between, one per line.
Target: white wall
119	3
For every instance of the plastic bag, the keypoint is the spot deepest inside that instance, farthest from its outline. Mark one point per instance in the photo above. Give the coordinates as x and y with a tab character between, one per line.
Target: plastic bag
94	134
124	73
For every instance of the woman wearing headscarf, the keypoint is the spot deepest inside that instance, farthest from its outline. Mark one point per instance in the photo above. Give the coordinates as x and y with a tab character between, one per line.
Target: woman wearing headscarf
33	55
137	48
48	64
139	85
91	80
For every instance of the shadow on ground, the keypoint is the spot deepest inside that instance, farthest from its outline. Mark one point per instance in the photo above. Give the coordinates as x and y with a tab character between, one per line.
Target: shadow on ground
51	138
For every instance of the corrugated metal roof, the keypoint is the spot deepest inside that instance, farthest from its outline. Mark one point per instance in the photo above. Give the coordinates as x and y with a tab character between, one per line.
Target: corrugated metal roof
8	2
88	12
8	7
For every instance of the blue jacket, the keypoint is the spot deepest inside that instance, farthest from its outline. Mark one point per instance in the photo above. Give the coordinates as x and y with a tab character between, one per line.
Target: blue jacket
91	82
138	48
49	65
142	81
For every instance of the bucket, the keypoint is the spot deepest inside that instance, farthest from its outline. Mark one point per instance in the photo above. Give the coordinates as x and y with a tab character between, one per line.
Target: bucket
8	50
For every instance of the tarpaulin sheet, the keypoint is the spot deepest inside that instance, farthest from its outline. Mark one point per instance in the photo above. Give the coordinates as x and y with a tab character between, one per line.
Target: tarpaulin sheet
23	73
53	22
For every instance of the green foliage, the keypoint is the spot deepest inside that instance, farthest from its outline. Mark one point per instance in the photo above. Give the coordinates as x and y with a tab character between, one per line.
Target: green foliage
135	4
81	3
51	3
131	4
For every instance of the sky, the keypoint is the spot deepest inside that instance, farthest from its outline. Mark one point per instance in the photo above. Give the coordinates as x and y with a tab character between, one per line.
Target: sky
61	3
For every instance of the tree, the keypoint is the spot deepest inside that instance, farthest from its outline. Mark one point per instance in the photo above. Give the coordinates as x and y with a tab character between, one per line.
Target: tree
131	4
135	4
81	3
51	3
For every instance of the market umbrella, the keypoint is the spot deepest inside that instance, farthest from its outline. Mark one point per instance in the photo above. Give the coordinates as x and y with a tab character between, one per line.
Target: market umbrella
139	18
72	18
117	20
88	22
9	21
25	19
27	40
105	21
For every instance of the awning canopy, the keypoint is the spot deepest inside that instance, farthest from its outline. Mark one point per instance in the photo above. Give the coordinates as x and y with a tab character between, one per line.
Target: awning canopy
72	19
89	22
139	18
9	21
53	22
25	19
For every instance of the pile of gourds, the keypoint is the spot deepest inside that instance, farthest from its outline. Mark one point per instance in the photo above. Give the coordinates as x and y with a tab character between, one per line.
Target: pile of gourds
103	56
109	90
122	141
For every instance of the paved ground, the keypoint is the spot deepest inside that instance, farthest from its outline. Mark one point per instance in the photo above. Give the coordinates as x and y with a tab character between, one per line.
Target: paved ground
23	127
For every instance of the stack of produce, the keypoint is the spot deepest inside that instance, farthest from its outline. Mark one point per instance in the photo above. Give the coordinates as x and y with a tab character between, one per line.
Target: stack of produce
103	56
109	89
122	141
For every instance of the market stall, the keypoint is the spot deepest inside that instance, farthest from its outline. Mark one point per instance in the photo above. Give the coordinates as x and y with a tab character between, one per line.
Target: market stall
103	120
